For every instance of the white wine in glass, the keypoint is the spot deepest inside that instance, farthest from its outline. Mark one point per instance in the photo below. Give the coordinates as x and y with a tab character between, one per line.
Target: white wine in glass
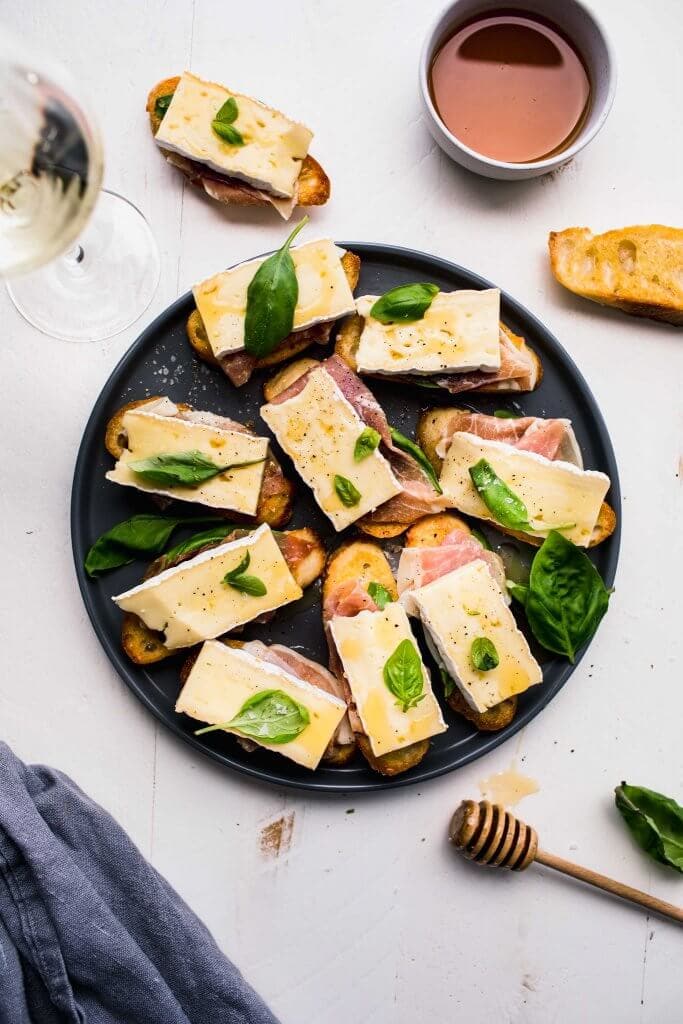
81	263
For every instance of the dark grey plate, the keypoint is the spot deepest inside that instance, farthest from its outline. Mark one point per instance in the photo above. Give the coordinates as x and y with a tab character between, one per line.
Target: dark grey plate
161	362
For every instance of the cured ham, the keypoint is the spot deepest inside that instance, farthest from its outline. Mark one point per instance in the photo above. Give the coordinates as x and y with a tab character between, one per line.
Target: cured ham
229	190
517	368
239	366
553	439
420	566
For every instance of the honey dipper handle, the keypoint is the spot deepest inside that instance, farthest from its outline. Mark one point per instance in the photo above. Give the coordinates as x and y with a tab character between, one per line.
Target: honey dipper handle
609	885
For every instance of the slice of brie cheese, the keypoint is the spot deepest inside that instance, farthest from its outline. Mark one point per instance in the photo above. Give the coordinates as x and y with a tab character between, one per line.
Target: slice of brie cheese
190	602
223	678
318	428
155	429
324	294
458	332
458	608
364	643
557	495
274	147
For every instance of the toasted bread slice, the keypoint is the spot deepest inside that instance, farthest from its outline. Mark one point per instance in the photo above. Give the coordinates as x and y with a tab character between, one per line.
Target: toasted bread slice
348	337
144	646
430	431
275	504
313	184
296	342
637	269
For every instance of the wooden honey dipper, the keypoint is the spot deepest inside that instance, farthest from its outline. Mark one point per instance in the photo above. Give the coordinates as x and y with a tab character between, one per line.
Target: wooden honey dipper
488	834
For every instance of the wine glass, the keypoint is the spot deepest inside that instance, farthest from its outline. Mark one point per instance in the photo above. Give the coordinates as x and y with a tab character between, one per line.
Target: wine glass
81	263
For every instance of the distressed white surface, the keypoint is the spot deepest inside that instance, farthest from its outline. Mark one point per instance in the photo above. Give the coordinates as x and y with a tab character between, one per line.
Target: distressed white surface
369	917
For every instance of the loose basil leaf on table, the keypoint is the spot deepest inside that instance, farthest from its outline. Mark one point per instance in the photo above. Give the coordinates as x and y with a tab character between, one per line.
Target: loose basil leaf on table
410	448
162	104
223	126
139	535
270	716
271	300
403	676
483	654
366	443
379	594
504	505
347	492
655	822
405	304
182	469
237	579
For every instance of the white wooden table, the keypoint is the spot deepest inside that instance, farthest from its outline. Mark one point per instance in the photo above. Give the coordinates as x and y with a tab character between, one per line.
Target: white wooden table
369	917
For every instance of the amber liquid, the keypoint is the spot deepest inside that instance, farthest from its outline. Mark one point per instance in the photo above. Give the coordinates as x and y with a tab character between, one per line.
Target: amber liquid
511	87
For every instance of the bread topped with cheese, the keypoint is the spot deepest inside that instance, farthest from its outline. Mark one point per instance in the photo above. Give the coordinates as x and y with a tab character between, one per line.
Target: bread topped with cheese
636	269
259	157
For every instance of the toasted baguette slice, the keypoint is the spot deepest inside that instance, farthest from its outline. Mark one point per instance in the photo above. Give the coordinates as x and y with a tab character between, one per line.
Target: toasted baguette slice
313	184
638	269
351	329
364	562
144	646
274	507
296	342
430	532
429	434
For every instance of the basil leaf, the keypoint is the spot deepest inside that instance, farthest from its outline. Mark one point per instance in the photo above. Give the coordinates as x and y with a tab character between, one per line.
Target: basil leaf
448	682
380	595
404	304
236	579
271	300
655	822
502	503
140	535
403	676
182	469
507	414
366	443
567	597
408	446
162	104
228	133
481	537
347	493
228	112
270	716
197	541
483	654
518	591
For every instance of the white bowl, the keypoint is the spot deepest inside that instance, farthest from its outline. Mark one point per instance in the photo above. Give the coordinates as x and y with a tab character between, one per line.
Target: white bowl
576	22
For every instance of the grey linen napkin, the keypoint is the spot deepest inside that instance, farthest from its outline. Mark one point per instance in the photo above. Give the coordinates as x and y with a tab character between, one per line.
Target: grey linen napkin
90	933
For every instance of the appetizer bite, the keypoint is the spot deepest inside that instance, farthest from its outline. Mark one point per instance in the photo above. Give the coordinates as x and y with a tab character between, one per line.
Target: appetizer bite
392	709
451	340
208	593
238	150
523	474
178	453
359	468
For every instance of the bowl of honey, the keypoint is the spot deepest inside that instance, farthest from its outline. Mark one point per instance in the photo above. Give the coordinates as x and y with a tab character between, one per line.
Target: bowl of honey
515	92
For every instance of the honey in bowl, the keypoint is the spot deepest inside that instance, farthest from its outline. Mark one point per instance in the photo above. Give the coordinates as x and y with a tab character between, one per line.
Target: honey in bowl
511	87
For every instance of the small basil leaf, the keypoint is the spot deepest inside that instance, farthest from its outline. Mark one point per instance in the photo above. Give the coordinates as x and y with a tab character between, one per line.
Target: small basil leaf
507	414
140	535
236	579
406	445
566	598
347	493
404	304
448	683
655	822
228	112
483	654
228	133
379	594
162	104
403	676
502	503
518	591
366	443
270	716
271	300
481	537
181	469
241	567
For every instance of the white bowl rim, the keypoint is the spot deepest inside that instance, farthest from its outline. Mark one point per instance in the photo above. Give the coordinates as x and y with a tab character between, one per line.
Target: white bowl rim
550	161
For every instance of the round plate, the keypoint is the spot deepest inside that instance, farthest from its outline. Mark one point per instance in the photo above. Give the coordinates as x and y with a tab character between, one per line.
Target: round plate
161	362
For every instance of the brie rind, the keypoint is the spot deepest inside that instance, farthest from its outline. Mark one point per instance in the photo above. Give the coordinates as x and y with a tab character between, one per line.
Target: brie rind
364	643
155	429
324	294
223	678
190	602
458	608
274	147
459	332
557	495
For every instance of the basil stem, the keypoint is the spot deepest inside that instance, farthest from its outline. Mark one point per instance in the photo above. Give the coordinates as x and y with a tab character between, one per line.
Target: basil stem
271	300
405	304
403	676
379	594
483	654
502	503
366	443
270	716
347	492
237	579
406	445
182	469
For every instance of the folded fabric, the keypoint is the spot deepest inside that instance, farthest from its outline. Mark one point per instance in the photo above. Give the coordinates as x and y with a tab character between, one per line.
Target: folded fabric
90	933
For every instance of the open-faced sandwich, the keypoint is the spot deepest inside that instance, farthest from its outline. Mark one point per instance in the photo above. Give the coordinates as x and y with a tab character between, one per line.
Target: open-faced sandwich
359	468
212	591
241	322
451	340
524	474
392	709
177	453
268	696
238	150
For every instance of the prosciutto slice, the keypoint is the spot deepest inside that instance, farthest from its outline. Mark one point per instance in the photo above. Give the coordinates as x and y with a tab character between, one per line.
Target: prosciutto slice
553	439
229	190
421	566
239	366
517	366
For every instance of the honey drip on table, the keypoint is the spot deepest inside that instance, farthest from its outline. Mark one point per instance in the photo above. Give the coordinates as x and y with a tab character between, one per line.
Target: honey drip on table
508	787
